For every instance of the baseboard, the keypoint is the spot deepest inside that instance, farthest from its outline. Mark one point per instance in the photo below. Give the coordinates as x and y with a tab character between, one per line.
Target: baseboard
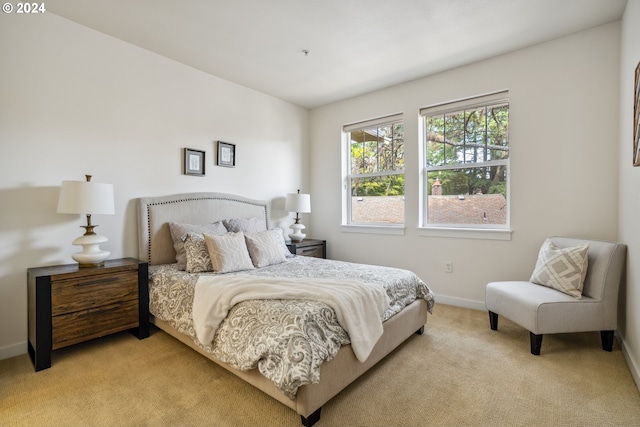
13	350
460	302
631	363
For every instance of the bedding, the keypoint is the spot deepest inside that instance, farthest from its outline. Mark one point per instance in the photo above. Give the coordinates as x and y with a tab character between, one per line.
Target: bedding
285	339
358	306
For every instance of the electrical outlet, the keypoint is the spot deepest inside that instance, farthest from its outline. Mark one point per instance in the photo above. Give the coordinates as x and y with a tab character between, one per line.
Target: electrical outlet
448	267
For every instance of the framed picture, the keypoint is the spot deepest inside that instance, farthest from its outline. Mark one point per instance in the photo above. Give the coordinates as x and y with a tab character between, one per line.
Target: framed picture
226	154
193	162
636	117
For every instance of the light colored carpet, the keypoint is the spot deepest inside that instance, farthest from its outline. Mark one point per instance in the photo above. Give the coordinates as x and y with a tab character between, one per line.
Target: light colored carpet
460	373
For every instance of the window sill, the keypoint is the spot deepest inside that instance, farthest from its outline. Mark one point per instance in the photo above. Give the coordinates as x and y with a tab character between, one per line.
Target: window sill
465	233
397	230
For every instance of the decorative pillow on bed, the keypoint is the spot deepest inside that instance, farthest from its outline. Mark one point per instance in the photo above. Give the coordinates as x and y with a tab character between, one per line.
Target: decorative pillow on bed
562	269
198	259
265	247
283	243
245	225
179	233
228	253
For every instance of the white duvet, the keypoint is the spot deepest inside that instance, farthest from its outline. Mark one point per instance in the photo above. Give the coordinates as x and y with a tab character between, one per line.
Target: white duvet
359	306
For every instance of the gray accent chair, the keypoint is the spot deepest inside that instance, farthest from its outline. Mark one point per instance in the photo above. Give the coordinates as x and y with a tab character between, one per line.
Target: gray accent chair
543	310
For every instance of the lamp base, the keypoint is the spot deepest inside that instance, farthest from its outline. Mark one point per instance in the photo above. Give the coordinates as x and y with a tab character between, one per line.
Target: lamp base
297	236
91	255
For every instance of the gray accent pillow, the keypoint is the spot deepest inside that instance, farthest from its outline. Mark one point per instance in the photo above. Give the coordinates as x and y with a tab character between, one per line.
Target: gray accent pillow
198	260
245	225
179	233
228	253
562	269
265	247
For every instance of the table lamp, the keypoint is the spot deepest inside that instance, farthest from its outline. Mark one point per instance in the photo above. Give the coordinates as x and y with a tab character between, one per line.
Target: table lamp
298	203
88	198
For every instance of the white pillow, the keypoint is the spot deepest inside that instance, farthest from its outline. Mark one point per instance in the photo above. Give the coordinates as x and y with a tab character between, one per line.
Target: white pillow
562	269
228	253
265	248
179	234
198	260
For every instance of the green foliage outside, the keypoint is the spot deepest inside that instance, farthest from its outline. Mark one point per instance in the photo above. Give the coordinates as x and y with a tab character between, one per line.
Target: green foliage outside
378	150
380	186
469	138
462	140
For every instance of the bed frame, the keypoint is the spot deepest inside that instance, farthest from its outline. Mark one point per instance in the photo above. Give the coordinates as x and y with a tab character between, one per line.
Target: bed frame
156	247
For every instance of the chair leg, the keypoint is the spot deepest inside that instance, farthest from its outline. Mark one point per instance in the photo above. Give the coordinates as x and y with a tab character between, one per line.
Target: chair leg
493	321
607	340
536	342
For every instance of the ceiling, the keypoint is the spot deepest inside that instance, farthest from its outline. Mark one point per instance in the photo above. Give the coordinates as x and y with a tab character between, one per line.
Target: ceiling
354	46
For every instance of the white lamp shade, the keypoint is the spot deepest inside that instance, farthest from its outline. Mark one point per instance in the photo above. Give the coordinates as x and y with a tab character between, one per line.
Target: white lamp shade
297	202
82	197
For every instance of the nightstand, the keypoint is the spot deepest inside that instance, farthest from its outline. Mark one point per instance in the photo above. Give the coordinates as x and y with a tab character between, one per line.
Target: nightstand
309	247
69	305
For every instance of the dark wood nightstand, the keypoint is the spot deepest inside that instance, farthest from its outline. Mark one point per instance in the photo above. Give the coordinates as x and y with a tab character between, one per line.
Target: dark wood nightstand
309	247
69	305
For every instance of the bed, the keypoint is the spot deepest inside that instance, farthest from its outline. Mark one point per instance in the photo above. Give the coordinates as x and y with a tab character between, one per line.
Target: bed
173	293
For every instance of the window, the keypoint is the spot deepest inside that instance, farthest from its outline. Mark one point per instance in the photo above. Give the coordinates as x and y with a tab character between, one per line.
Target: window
466	163
374	187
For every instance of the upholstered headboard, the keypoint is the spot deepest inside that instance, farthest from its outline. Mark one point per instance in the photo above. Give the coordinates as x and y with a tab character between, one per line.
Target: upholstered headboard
154	214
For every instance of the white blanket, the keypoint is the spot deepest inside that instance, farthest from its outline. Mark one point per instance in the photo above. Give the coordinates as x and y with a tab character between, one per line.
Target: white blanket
358	306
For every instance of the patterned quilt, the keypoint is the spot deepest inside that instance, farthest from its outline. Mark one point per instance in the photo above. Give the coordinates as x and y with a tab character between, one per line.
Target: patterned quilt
287	340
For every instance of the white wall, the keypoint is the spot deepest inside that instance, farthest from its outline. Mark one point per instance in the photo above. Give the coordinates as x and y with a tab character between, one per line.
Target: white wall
629	185
564	159
74	101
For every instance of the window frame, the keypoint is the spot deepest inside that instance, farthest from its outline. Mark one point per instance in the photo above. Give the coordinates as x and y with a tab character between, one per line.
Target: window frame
474	231
366	227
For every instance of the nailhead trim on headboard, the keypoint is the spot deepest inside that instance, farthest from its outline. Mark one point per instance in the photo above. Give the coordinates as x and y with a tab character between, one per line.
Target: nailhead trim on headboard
149	233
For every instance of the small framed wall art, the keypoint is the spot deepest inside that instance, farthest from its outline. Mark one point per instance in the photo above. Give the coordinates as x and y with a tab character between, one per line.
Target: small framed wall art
636	117
193	162
226	154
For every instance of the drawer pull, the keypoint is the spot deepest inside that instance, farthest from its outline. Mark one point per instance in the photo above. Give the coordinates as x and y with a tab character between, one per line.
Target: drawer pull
99	281
309	250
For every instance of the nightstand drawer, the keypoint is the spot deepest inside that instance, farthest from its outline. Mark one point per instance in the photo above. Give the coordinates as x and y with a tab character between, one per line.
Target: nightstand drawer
71	295
313	251
80	326
309	247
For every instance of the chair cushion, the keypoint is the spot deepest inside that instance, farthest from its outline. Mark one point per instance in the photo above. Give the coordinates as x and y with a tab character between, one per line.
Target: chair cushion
562	269
543	310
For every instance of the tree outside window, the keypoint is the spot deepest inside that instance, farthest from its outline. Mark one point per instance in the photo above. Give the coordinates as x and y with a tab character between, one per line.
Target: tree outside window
376	172
466	163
